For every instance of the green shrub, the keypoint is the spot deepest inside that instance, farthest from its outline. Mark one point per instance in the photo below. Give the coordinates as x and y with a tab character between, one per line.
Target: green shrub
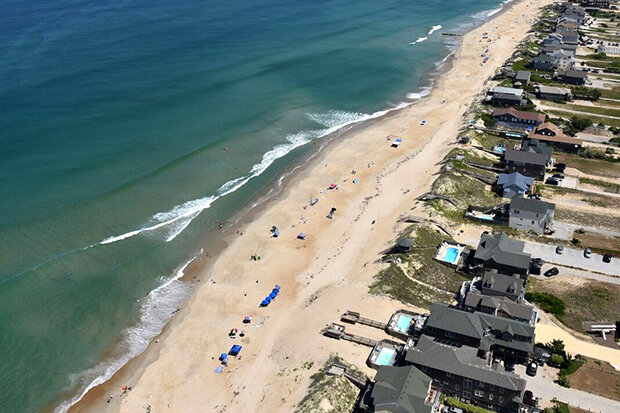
556	360
548	302
467	408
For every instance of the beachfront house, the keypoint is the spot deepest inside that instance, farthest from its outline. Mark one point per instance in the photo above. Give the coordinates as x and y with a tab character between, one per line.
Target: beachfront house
531	215
526	163
508	339
554	93
568	36
514	184
400	389
523	77
506	96
544	62
551	134
573	77
496	284
465	373
519	310
516	118
502	254
574	12
536	146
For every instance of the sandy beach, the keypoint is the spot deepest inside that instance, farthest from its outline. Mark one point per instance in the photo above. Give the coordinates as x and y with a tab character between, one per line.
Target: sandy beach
321	276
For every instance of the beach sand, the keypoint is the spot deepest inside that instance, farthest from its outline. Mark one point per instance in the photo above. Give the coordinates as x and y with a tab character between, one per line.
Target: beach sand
322	276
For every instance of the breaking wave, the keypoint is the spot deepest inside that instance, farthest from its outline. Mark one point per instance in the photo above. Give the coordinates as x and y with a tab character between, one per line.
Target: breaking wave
434	29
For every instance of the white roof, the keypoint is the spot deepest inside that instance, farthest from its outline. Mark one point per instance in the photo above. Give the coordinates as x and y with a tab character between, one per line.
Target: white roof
554	90
506	90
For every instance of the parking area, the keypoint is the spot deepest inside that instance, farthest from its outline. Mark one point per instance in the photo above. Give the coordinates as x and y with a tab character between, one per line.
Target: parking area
572	258
543	387
570	182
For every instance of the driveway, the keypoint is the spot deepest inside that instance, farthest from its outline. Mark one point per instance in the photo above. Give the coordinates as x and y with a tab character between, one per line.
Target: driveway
578	273
543	387
572	258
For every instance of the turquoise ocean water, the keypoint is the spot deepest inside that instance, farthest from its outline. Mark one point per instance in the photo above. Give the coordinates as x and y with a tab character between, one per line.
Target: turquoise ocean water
113	120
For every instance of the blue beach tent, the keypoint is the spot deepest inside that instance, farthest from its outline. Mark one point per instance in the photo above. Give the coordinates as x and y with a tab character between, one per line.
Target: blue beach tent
272	296
275	291
234	350
265	302
223	356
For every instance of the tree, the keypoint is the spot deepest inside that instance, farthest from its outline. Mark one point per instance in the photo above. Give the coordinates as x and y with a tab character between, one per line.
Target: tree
556	360
556	346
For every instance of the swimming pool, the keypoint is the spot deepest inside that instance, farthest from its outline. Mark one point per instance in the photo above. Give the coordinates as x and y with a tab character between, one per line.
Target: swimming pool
404	321
451	255
385	357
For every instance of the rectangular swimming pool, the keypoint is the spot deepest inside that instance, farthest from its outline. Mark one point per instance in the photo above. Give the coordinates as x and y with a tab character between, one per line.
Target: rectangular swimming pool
385	357
451	255
404	321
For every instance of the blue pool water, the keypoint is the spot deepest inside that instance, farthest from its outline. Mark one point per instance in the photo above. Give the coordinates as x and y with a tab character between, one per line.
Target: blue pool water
403	323
385	356
451	255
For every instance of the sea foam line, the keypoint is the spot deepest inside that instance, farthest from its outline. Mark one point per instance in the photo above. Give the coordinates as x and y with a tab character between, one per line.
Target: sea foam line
420	40
434	29
157	310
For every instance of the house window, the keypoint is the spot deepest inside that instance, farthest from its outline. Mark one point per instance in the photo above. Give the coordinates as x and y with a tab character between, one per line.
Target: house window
490	396
491	387
479	393
449	375
456	386
501	399
450	334
479	384
501	390
466	382
532	222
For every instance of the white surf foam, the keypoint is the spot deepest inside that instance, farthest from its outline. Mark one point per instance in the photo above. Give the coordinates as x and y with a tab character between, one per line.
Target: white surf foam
434	29
420	40
169	224
419	95
156	311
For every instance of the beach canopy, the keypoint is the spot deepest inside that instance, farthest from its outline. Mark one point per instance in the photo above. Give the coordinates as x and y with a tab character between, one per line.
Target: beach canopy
234	350
302	235
247	319
276	233
265	302
272	295
223	356
275	291
219	369
405	243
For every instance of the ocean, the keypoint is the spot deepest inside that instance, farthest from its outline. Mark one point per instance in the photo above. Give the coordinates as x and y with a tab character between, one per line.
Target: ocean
130	130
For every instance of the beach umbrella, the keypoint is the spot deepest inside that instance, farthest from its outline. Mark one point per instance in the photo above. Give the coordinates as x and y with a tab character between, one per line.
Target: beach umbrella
247	319
302	235
234	350
233	332
223	356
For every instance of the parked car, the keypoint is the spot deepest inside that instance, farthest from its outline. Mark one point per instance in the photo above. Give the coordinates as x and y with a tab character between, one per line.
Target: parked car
588	253
607	258
560	167
534	196
558	176
559	249
552	181
510	367
452	409
528	398
552	272
532	368
538	261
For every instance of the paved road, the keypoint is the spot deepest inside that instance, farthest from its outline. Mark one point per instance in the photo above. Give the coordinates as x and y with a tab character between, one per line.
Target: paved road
543	387
572	258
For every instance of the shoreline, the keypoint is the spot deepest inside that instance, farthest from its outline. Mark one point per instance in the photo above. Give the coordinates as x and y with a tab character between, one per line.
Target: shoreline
138	366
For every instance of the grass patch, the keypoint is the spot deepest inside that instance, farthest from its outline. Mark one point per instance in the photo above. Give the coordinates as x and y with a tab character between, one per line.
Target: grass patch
594	118
613	93
588	165
592	301
330	393
599	243
467	408
606	185
464	190
593	199
548	302
598	377
408	280
593	220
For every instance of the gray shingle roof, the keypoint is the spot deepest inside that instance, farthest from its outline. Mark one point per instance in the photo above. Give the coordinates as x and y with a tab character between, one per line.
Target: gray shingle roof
515	178
532	205
513	309
485	327
503	250
461	361
401	390
502	283
531	158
